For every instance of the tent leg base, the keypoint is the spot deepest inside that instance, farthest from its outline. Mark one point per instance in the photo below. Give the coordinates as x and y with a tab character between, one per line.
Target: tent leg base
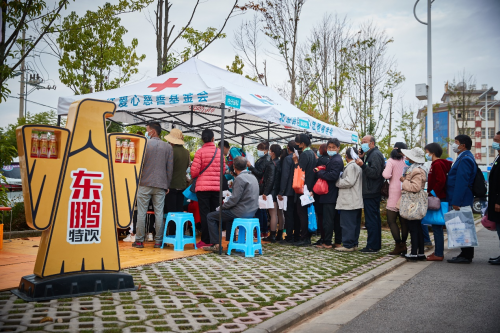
33	288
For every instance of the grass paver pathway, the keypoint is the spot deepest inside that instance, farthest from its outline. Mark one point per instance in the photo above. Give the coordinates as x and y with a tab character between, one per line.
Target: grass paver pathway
202	293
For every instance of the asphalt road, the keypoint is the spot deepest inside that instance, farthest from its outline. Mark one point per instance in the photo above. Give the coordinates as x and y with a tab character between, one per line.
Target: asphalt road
441	298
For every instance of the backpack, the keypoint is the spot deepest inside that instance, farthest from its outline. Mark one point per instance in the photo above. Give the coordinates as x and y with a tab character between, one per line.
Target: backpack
478	186
233	153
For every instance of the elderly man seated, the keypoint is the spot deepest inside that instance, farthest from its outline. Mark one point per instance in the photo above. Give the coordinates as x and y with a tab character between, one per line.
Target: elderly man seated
243	203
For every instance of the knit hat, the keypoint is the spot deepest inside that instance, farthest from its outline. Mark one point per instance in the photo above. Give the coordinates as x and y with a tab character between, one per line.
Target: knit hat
416	154
400	145
175	137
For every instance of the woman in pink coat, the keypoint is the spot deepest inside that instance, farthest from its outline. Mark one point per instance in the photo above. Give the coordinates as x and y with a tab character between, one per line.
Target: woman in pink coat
208	182
393	172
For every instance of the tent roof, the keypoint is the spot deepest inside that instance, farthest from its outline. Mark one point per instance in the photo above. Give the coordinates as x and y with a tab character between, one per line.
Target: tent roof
189	98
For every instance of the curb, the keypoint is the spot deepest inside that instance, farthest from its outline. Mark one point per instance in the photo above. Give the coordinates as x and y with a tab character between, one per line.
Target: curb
297	314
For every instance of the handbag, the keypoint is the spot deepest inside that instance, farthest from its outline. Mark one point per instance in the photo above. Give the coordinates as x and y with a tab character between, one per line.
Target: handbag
312	224
384	191
299	177
433	202
491	226
413	205
193	182
189	194
436	217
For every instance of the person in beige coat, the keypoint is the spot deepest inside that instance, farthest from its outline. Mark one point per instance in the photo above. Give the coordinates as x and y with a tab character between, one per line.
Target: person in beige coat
350	202
414	181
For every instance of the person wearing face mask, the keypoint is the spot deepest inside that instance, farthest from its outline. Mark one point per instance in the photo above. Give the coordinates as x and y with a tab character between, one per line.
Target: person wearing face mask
438	174
276	214
372	163
392	172
414	181
264	172
154	184
459	187
307	162
323	159
286	191
494	193
350	203
332	173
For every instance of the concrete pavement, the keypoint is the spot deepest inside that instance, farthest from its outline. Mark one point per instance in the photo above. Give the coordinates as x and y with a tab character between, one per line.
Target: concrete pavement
423	297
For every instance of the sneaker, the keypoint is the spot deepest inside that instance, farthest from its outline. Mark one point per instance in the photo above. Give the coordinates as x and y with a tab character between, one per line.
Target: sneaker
213	248
411	257
158	245
201	244
319	242
367	250
150	238
421	257
139	245
129	238
344	249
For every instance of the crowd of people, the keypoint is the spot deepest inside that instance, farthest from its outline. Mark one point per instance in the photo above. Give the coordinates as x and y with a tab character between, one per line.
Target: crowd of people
356	183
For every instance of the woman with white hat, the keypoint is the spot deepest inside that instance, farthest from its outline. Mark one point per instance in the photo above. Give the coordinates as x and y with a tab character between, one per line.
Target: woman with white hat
414	182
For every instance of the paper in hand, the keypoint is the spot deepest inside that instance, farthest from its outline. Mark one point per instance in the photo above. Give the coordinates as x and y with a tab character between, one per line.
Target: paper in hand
354	155
282	204
296	152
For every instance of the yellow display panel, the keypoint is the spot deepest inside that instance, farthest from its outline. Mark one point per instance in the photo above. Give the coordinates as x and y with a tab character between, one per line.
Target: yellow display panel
80	230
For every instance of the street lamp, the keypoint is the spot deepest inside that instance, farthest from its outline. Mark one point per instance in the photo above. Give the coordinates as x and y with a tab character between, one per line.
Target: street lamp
485	94
430	124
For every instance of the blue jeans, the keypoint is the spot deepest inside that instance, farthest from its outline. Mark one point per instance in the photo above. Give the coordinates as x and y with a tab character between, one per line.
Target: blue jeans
157	195
427	238
438	240
350	222
373	223
261	214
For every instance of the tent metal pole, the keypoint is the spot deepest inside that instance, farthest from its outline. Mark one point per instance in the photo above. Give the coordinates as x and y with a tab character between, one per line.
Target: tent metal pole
192	112
268	132
59	121
222	107
242	142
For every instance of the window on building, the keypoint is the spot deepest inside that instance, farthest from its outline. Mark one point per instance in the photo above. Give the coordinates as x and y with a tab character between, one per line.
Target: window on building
471	115
491	114
491	133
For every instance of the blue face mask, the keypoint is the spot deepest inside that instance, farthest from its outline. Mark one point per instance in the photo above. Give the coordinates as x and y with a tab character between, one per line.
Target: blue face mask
319	155
495	145
428	157
260	153
365	147
407	163
331	152
147	136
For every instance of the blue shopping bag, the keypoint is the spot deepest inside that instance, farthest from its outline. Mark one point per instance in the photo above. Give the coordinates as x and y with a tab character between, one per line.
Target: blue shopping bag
436	217
311	215
190	195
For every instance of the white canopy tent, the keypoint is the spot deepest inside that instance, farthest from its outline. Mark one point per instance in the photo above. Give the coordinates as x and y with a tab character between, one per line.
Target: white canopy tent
194	96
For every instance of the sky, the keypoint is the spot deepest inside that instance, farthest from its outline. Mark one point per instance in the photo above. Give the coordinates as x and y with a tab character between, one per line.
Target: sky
465	36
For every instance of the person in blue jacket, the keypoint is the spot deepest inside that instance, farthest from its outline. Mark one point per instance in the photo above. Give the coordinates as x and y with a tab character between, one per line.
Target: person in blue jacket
459	186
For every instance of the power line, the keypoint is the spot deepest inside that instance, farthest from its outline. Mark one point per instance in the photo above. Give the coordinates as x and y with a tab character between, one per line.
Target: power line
35	102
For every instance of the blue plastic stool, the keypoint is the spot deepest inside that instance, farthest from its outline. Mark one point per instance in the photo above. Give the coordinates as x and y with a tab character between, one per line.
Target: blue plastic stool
245	244
179	239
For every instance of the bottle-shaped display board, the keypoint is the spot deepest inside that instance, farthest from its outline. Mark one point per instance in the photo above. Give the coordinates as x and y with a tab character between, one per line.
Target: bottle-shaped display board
78	253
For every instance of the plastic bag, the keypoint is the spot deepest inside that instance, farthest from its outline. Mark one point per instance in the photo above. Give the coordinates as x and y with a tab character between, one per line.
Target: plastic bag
321	187
299	177
461	228
312	224
307	198
190	195
436	217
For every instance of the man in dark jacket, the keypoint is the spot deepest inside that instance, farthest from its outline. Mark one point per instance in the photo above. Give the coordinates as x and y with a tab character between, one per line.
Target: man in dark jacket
307	162
287	192
332	173
264	172
494	193
372	163
459	186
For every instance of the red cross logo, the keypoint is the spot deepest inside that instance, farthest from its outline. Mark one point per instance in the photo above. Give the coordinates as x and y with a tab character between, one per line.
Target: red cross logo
167	84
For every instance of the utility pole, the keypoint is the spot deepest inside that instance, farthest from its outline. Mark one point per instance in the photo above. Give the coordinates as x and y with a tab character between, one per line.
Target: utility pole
22	94
430	122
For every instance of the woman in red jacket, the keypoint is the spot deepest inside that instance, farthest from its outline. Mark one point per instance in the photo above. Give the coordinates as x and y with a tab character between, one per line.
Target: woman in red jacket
436	181
206	167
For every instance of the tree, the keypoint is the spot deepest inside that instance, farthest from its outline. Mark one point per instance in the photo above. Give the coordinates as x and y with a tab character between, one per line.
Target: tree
246	41
281	25
409	125
17	16
198	41
394	81
91	51
237	67
462	100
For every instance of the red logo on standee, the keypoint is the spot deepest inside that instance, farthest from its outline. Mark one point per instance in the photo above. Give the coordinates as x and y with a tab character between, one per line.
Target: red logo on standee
167	84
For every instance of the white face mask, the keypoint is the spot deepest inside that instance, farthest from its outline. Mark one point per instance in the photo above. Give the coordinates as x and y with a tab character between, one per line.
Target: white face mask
454	147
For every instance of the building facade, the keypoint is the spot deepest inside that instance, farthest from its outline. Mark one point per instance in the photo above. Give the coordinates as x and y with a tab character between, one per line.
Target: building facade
461	112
